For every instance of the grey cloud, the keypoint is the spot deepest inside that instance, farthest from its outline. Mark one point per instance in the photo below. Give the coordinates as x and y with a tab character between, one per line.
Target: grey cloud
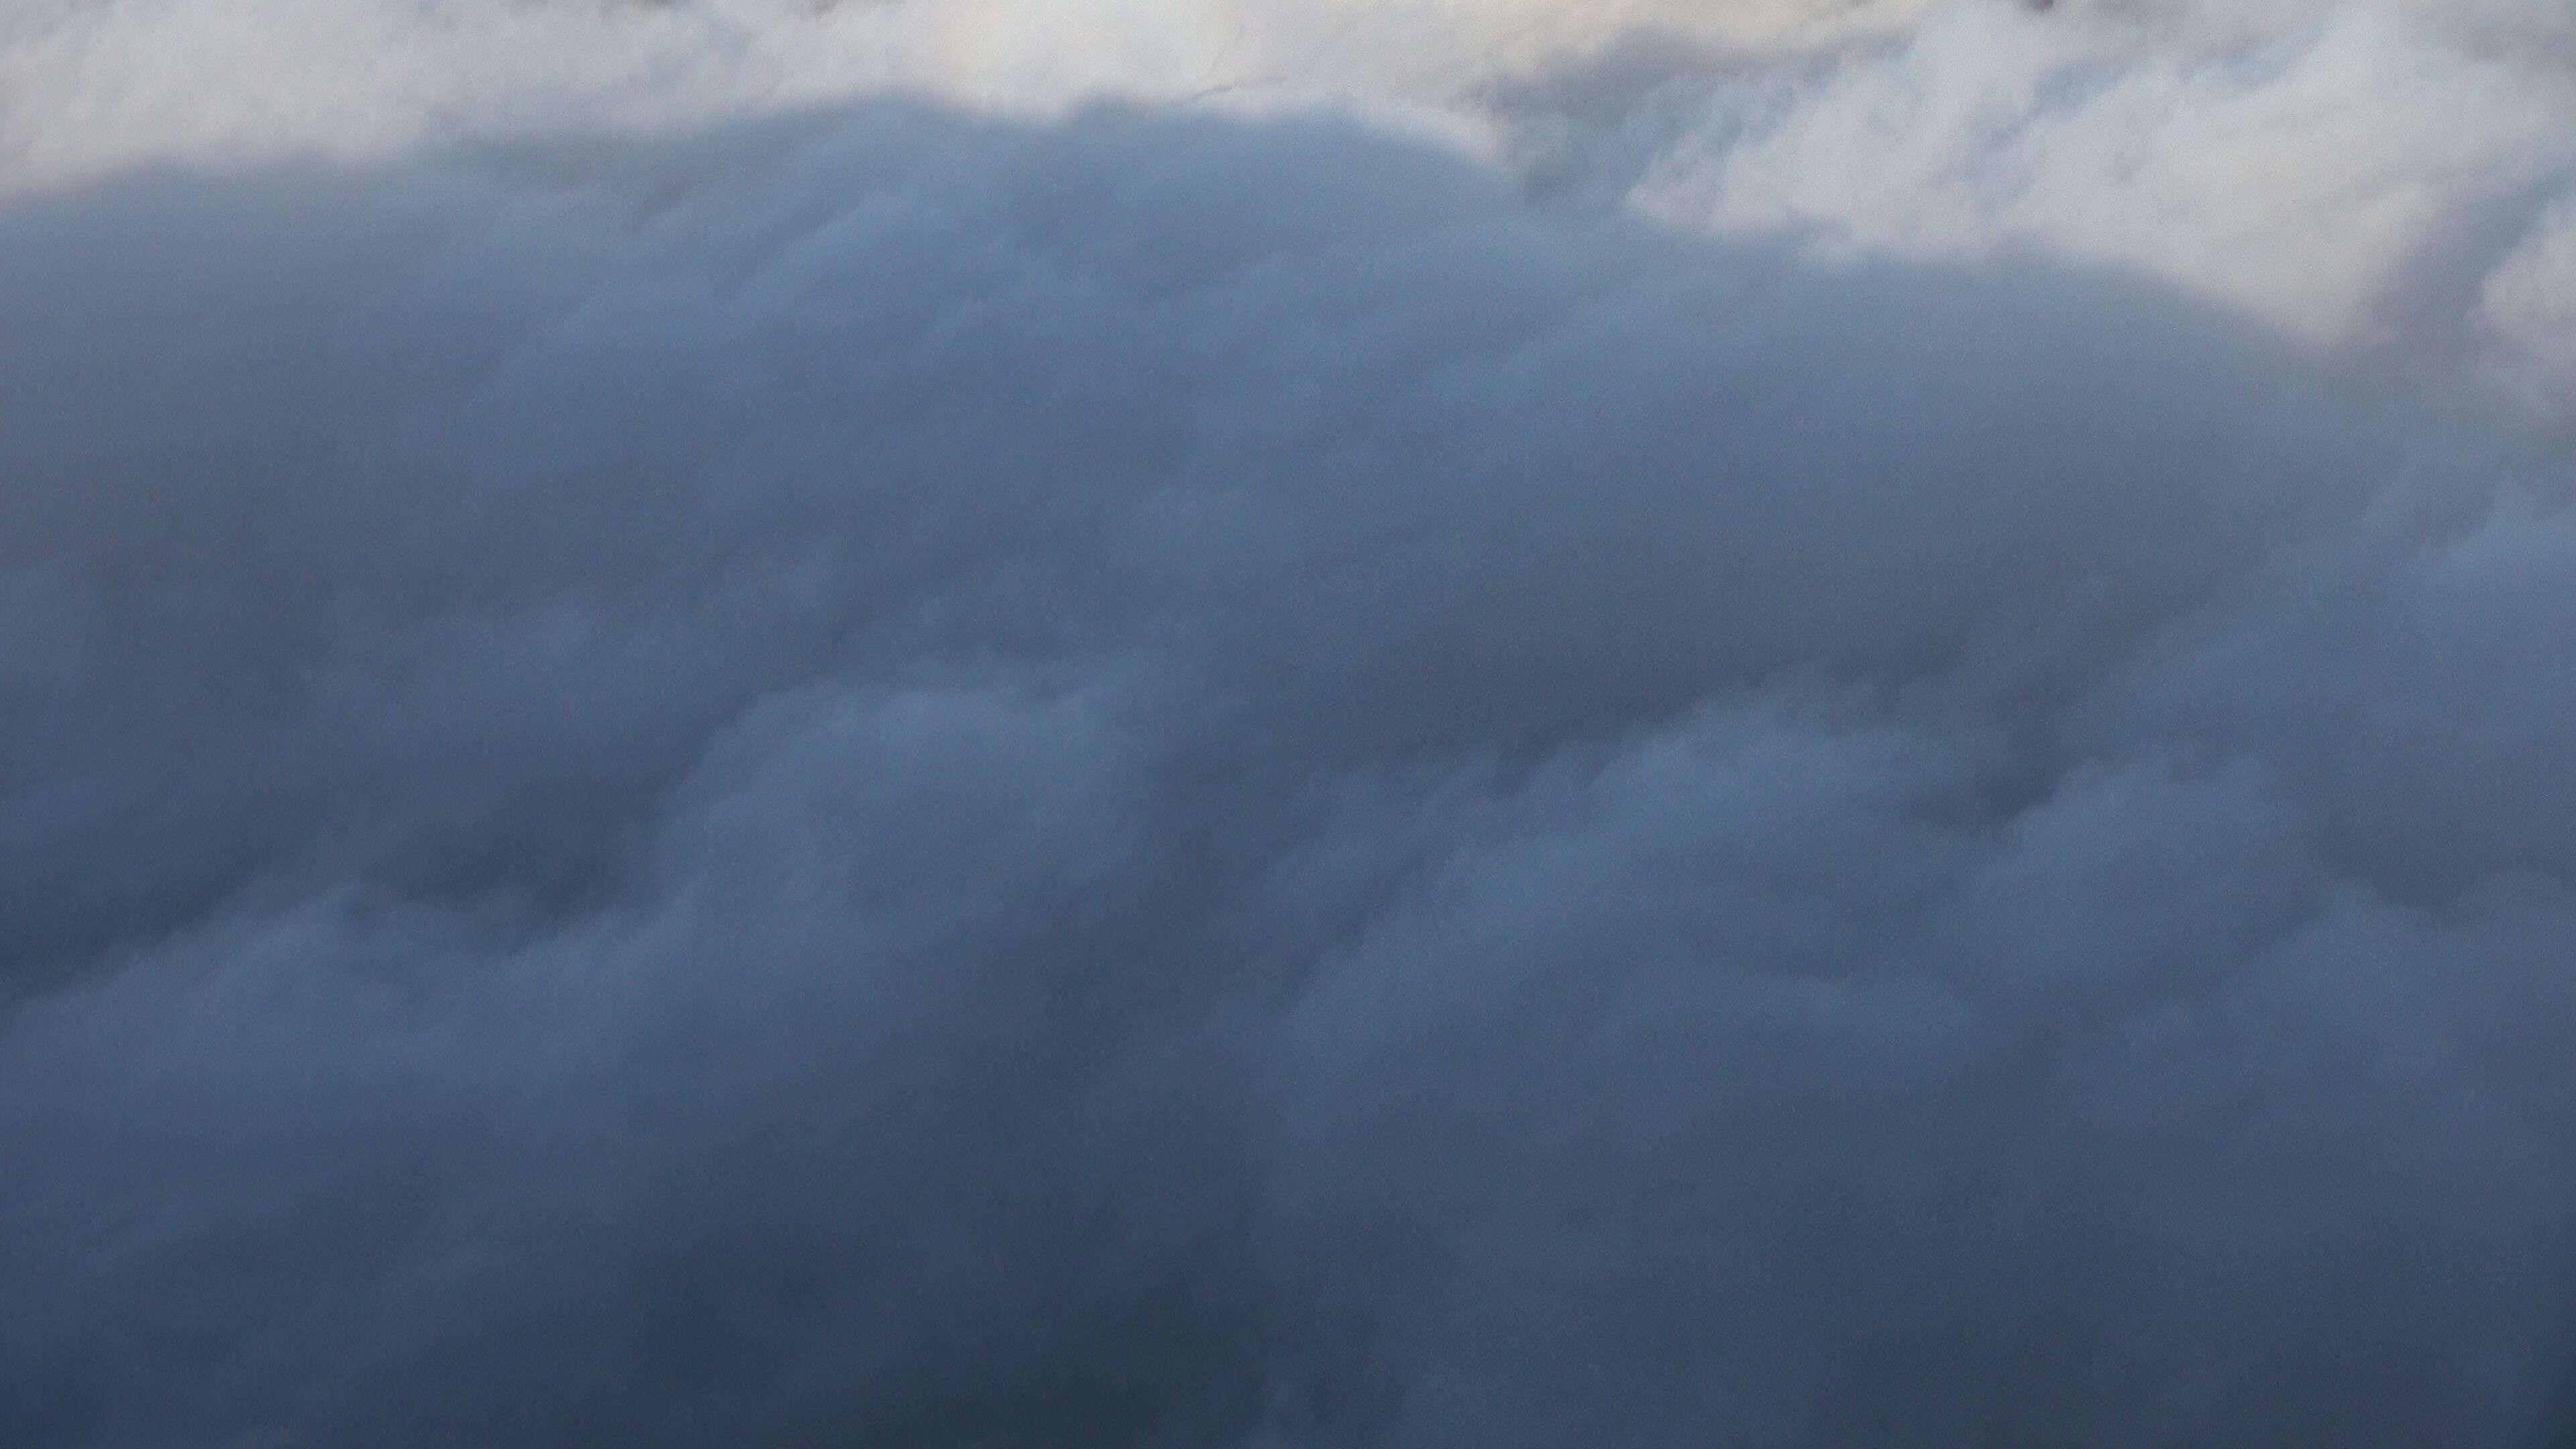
919	780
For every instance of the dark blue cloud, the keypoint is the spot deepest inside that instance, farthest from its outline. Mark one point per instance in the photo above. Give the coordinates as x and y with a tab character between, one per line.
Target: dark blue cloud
1160	782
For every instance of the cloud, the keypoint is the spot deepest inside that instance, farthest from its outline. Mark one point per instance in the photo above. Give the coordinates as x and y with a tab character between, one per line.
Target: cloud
1601	731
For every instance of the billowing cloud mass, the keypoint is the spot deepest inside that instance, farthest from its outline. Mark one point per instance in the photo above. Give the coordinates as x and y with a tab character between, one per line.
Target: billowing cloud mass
1440	723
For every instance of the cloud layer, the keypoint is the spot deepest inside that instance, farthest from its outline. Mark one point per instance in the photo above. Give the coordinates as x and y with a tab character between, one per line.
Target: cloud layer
1256	726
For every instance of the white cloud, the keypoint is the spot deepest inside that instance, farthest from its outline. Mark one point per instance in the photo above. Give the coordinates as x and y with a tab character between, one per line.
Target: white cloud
2297	175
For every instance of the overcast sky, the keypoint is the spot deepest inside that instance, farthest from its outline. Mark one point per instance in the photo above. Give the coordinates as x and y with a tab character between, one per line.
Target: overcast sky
1287	724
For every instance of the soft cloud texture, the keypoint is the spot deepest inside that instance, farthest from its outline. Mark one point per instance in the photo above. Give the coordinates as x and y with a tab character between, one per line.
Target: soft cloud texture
1455	724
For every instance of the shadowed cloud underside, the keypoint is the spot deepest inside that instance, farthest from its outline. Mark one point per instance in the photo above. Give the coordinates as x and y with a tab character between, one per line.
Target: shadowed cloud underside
893	771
